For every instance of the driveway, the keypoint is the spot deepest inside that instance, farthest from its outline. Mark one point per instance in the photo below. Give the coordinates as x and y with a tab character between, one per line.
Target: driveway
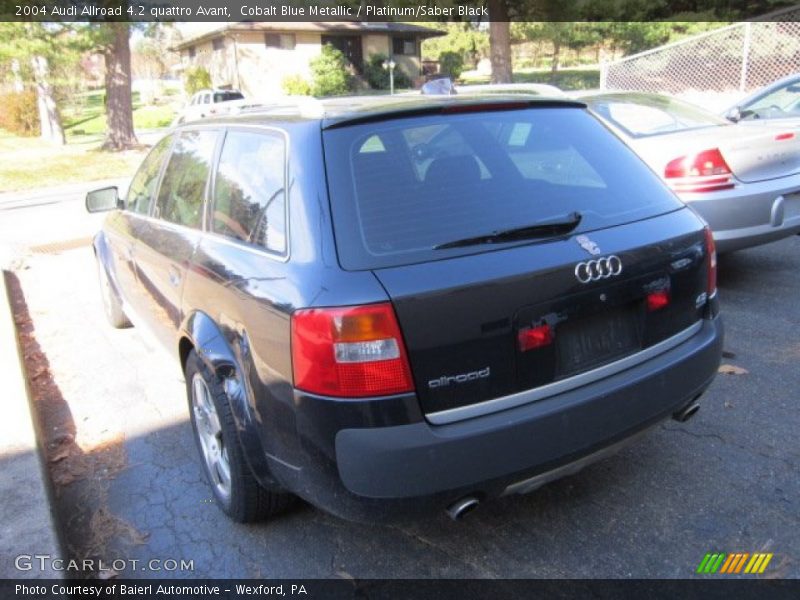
130	483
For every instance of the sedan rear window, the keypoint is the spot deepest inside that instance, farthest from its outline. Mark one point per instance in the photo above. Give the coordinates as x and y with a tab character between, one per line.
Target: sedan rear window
402	190
644	115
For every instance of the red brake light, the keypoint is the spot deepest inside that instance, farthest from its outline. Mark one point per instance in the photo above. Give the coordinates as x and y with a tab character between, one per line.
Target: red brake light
657	300
484	106
705	171
711	251
530	338
784	136
352	351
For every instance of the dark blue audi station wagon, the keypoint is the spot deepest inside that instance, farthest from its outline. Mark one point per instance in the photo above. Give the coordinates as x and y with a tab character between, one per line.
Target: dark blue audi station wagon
390	305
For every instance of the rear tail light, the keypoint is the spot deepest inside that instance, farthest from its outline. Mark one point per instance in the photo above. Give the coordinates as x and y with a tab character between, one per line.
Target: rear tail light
353	351
705	171
531	338
711	253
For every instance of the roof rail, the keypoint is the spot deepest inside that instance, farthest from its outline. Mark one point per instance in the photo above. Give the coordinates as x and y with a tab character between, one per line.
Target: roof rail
306	106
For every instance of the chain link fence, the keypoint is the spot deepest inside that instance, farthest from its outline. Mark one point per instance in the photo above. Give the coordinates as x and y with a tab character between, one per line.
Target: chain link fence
731	60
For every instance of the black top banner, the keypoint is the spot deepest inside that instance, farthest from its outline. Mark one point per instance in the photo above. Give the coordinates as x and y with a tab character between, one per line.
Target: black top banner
388	10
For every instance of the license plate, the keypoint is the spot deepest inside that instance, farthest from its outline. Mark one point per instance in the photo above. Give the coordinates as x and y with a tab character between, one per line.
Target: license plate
592	341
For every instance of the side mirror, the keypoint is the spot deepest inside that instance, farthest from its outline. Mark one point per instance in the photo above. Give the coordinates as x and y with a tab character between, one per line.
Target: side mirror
103	200
734	115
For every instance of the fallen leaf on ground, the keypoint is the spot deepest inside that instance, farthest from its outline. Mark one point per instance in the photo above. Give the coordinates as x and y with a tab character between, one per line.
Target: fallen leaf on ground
732	370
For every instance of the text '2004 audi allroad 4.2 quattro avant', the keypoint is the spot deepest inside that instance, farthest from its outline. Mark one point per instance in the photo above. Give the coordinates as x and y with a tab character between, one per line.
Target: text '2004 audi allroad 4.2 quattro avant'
387	305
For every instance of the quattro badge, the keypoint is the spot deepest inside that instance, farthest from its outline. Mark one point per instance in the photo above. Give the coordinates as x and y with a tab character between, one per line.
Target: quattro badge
588	245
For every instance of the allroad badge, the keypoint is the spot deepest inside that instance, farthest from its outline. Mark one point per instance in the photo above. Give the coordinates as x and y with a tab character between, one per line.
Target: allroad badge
588	245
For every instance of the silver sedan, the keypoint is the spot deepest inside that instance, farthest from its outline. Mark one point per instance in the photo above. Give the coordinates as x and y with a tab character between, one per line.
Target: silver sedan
743	179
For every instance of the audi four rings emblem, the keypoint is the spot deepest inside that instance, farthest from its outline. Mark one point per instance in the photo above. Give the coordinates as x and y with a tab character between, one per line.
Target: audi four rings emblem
601	268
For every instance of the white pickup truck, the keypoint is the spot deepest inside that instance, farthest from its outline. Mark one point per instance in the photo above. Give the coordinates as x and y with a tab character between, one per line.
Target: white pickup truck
208	103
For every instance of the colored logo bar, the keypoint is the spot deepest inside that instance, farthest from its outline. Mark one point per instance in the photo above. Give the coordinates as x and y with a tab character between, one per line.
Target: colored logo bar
739	562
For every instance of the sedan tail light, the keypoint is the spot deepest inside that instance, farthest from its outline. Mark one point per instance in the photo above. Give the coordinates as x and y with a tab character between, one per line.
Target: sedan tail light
705	171
354	351
711	253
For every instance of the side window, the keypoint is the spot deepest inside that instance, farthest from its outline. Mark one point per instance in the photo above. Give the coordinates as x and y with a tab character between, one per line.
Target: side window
783	102
249	190
143	185
180	199
206	98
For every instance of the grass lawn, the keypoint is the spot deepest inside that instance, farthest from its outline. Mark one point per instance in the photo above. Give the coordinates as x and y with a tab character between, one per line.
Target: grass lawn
27	163
85	115
566	79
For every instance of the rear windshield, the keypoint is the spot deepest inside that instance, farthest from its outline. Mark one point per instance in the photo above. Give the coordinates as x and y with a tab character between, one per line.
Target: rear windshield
227	96
399	188
643	116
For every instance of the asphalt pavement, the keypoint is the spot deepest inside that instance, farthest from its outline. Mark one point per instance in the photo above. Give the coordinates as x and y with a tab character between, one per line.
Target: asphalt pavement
726	481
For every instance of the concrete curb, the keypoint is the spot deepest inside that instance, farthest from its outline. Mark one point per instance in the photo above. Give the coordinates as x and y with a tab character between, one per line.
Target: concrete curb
27	524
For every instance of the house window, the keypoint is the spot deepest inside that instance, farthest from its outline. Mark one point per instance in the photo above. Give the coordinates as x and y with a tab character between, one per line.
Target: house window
218	43
192	51
284	41
404	46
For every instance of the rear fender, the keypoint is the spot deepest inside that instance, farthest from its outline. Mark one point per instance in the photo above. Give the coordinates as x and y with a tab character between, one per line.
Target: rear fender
213	349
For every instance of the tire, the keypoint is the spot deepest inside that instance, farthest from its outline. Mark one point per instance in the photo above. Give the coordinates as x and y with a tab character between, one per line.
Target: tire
235	488
112	307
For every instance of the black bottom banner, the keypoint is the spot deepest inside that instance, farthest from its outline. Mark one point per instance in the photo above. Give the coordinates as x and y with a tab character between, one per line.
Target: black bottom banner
208	589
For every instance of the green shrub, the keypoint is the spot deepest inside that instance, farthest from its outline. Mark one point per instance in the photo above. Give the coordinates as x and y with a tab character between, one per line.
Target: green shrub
296	85
329	73
451	63
574	79
196	79
19	113
378	77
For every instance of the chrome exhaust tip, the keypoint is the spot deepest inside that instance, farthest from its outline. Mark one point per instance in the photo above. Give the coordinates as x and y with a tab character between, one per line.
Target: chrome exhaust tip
686	413
461	508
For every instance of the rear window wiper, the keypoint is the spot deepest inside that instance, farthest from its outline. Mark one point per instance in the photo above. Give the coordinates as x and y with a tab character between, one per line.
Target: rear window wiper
539	230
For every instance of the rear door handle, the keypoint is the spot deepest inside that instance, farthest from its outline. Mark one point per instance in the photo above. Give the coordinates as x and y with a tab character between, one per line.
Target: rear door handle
174	275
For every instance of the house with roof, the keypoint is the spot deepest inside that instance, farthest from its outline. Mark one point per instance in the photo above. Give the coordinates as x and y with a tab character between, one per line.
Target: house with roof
256	57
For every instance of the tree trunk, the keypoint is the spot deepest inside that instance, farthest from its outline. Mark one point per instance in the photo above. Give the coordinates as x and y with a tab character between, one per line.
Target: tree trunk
556	56
500	41
49	119
119	104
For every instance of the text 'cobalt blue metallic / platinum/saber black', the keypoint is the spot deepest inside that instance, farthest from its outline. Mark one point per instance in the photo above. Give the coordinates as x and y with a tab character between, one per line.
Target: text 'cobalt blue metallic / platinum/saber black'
387	305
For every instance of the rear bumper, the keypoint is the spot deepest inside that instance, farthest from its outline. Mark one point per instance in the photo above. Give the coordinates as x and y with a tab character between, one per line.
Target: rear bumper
377	471
750	214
